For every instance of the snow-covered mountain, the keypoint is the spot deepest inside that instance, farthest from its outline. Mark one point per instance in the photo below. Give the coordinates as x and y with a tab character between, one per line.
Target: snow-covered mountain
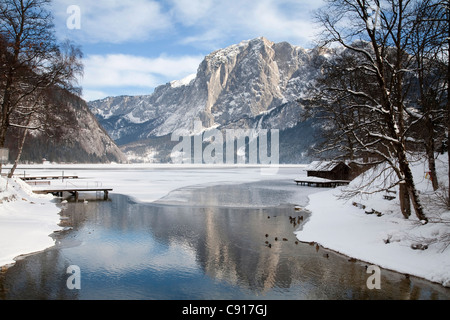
76	138
251	85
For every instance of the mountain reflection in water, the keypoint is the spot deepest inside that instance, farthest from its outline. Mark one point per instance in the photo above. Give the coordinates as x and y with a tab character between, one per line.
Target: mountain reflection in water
198	243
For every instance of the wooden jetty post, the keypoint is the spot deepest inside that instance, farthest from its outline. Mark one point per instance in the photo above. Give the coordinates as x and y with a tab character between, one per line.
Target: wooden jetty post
322	183
74	191
59	191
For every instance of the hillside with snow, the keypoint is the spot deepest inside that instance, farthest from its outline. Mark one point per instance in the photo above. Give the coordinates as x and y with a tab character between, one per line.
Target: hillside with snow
77	137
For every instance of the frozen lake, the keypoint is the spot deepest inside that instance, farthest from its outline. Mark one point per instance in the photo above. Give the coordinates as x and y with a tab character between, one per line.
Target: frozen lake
195	234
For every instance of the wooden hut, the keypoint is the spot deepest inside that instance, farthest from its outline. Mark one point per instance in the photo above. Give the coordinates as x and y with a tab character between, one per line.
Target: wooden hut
332	170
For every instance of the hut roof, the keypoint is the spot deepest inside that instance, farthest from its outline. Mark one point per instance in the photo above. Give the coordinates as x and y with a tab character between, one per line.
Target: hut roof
323	165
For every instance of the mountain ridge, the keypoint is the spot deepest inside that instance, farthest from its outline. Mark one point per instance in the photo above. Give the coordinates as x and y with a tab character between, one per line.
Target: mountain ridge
78	138
236	87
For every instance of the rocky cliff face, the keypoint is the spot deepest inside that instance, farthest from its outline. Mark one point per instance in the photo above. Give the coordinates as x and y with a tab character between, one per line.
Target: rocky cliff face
76	138
92	138
251	85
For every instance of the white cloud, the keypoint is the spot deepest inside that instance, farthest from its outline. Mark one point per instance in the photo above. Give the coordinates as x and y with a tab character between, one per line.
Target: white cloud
191	11
91	95
274	21
103	72
175	25
278	20
114	21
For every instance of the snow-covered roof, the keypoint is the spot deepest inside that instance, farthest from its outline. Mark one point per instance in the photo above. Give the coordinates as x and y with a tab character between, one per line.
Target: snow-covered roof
323	165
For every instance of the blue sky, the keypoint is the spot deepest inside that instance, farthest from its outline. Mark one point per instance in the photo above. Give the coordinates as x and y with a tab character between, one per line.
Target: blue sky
130	47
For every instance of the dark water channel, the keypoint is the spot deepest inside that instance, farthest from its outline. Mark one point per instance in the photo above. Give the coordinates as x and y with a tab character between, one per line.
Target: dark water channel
197	243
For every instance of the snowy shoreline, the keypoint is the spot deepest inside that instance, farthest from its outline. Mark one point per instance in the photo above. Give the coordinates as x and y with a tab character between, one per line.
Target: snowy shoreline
335	224
27	221
388	241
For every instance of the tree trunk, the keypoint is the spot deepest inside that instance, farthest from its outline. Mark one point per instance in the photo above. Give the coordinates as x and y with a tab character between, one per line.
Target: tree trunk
430	149
19	154
448	95
416	202
405	202
411	188
432	168
4	123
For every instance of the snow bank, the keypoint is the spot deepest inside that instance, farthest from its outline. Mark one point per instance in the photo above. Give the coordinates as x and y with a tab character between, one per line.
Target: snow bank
26	220
386	239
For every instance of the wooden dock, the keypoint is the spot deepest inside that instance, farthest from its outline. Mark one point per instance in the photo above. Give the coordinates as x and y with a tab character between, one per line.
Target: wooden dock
74	191
59	190
321	183
48	178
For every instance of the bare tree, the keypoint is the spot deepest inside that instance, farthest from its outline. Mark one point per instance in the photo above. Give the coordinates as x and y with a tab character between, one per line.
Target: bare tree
33	62
436	14
428	34
439	14
376	35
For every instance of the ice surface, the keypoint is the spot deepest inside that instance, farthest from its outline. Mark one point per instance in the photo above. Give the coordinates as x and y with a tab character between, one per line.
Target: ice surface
335	224
27	219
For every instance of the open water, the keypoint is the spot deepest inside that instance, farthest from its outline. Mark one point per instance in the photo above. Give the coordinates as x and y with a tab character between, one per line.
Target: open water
198	243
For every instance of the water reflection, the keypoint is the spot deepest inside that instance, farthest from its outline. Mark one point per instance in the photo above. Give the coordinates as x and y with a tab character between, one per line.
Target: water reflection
210	248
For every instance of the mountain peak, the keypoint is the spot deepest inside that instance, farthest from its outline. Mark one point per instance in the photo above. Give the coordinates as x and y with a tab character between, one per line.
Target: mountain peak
262	40
242	81
227	54
183	82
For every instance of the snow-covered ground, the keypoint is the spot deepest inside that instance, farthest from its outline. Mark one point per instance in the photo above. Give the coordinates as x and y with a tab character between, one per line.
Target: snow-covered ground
385	240
335	223
26	220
